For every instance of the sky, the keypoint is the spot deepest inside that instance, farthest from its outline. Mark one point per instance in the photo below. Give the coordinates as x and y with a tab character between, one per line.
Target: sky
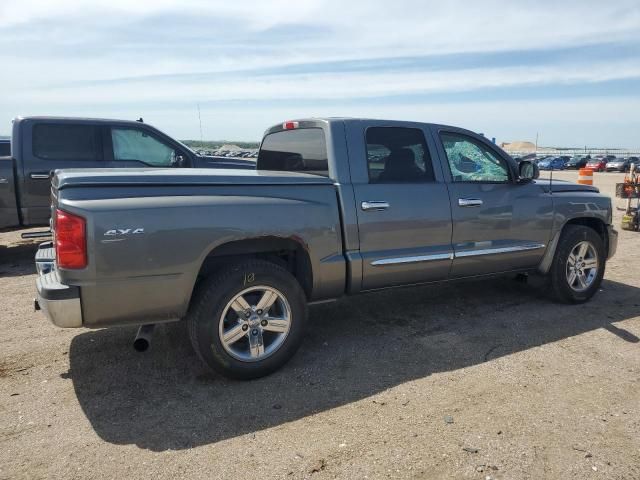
568	71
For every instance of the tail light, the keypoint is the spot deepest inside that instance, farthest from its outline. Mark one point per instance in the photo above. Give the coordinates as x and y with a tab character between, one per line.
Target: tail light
71	240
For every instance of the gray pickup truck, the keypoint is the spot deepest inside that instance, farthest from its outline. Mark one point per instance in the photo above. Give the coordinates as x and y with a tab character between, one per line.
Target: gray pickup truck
44	144
335	207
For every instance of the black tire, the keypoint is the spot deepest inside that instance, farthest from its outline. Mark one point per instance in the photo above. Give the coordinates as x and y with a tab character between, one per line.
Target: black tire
210	301
571	236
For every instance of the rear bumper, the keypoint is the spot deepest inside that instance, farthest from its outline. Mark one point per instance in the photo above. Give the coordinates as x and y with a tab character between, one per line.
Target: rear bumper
45	258
60	303
612	234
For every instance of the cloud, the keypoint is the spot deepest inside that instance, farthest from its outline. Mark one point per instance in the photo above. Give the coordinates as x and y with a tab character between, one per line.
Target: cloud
128	57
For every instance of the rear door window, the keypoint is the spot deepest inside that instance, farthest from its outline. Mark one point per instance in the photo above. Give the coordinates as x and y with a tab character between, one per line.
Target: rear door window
67	142
299	150
398	155
130	144
5	149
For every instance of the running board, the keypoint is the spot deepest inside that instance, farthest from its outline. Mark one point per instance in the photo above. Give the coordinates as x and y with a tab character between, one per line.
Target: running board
40	234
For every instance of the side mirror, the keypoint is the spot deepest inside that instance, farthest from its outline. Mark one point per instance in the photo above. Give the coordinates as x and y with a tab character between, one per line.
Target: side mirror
528	170
178	161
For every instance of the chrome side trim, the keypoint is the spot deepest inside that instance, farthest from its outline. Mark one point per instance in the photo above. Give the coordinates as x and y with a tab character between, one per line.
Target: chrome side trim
451	256
412	259
493	251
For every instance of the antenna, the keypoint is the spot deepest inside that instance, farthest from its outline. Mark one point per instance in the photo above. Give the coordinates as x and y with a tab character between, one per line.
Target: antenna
200	121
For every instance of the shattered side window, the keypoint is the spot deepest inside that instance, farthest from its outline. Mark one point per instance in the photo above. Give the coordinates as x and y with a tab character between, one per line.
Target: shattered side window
470	161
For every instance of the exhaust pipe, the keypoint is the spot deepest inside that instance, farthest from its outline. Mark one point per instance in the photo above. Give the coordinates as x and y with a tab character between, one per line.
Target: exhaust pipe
143	338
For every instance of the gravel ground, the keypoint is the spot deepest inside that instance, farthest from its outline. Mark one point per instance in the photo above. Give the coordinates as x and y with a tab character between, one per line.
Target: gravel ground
469	380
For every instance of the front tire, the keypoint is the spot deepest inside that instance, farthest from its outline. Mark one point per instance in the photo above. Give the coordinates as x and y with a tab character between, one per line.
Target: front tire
578	265
247	320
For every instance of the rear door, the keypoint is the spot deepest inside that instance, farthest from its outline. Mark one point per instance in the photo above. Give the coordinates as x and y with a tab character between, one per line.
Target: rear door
47	146
499	225
404	217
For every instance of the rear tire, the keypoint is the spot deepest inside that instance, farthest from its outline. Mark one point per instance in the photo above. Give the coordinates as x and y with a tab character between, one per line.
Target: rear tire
247	320
578	265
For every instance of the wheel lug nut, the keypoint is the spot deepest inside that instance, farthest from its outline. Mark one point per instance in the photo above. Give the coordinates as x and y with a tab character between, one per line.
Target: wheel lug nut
264	323
245	327
254	331
259	312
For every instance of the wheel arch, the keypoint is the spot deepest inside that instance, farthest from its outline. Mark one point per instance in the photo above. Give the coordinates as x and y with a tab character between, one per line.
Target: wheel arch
595	223
290	253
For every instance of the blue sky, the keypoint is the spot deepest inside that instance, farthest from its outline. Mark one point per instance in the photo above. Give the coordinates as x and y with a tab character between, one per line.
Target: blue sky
568	70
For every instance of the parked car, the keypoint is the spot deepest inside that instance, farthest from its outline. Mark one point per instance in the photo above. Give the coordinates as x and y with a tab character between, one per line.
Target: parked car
44	144
634	161
557	163
239	254
618	165
597	164
577	162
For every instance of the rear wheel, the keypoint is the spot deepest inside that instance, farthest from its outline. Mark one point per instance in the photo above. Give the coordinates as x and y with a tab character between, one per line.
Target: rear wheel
578	265
248	320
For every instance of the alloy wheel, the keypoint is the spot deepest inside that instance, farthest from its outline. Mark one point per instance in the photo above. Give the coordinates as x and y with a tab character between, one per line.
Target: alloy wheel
255	323
582	266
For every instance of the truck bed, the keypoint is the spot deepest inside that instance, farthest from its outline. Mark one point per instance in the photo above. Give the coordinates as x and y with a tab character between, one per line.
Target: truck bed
149	232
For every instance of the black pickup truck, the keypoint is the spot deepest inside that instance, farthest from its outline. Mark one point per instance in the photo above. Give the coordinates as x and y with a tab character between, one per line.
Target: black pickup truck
41	145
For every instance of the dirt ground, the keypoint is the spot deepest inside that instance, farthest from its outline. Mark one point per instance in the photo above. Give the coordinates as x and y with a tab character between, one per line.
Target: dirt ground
470	380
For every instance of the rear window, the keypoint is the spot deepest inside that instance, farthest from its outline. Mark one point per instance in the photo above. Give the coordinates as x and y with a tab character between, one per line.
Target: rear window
301	150
67	142
5	149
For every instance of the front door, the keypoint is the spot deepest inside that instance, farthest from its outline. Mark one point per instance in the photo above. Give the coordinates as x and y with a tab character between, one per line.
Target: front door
499	225
404	219
137	147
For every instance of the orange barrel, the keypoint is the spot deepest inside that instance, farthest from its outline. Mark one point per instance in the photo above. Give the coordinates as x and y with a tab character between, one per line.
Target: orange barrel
585	176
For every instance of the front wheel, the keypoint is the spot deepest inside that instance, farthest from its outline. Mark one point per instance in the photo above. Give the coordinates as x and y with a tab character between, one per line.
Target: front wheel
248	320
578	265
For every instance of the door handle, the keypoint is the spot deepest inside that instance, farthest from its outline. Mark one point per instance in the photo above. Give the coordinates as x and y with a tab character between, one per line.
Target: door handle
469	202
3	180
374	205
40	176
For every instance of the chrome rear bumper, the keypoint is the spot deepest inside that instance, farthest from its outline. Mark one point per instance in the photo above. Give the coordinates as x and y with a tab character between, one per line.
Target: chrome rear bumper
60	303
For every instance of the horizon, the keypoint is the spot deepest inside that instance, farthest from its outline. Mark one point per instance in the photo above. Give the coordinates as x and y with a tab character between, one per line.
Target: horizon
568	72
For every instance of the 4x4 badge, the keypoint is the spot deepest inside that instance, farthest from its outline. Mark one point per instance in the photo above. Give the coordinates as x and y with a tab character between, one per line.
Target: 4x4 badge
116	232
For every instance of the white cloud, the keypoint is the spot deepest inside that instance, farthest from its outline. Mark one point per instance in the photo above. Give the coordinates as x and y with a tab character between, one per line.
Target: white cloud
51	48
